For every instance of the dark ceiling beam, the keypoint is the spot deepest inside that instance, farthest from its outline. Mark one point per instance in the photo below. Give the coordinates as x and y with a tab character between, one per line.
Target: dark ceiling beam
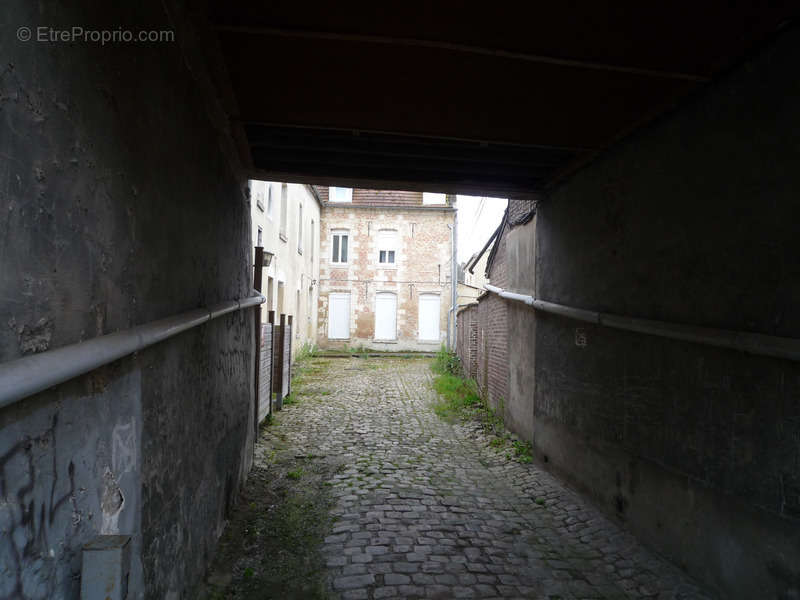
402	147
291	175
444	182
433	168
458	166
401	137
325	162
435	156
464	48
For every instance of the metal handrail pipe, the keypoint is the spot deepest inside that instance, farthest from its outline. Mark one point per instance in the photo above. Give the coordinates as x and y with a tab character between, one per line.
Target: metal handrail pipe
743	341
589	316
510	295
29	375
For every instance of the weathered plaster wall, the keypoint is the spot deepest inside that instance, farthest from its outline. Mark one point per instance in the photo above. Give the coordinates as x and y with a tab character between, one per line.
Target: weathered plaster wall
693	220
64	479
520	245
295	265
118	205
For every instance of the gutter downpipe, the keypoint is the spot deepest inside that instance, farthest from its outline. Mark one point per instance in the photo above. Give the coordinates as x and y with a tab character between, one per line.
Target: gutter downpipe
29	375
450	312
743	341
454	277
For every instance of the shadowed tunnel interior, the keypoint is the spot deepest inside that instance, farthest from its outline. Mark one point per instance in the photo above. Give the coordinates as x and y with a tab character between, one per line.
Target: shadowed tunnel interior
650	156
489	100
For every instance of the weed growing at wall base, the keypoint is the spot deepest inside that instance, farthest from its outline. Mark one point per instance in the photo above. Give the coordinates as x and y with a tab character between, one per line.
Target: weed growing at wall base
523	451
446	363
460	398
307	351
457	395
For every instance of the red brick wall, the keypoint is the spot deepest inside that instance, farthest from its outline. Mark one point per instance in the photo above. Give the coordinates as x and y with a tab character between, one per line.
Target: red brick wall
467	344
493	349
497	327
486	358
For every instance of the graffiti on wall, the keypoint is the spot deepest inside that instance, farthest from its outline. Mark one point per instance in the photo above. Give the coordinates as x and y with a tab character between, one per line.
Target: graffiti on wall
29	507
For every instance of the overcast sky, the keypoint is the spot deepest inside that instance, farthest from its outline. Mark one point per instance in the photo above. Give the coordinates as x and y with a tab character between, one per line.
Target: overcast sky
478	217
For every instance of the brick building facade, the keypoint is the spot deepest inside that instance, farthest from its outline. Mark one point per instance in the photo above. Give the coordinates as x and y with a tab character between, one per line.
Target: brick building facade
385	264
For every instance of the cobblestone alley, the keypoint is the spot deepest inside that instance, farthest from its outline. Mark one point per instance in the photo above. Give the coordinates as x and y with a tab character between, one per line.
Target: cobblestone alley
420	508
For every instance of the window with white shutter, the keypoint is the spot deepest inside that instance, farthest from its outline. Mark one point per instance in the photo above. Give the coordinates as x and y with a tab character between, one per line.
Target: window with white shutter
387	247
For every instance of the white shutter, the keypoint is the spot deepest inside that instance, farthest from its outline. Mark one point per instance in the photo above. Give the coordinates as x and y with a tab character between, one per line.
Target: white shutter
429	317
385	316
338	316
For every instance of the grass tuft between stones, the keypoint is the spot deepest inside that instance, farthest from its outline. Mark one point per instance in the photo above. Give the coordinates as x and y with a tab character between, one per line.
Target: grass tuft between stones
460	398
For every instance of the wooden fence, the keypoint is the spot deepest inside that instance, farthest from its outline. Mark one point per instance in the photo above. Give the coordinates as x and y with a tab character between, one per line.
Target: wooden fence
275	364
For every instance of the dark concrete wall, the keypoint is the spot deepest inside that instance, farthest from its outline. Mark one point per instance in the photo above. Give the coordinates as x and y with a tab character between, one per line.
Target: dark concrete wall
520	243
118	205
692	220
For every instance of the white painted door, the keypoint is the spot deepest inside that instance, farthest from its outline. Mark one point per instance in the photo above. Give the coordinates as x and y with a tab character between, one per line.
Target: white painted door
385	316
338	316
429	317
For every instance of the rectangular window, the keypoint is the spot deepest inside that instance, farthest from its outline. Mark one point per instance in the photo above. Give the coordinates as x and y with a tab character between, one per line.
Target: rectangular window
284	209
260	236
312	241
340	194
339	254
300	229
387	247
428	198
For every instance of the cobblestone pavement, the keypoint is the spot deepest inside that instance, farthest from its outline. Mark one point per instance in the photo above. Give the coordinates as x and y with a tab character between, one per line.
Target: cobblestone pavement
427	509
